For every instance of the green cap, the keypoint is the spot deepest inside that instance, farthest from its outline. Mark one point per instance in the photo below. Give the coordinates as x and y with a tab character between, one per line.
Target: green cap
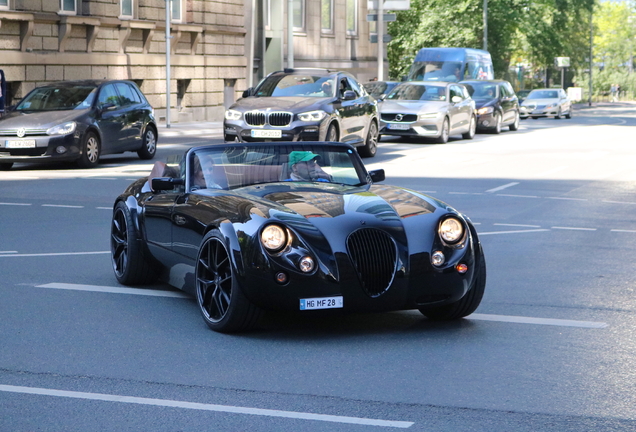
301	156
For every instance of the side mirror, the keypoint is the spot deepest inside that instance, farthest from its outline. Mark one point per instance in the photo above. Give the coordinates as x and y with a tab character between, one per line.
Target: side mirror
377	175
349	95
249	92
106	106
166	183
456	99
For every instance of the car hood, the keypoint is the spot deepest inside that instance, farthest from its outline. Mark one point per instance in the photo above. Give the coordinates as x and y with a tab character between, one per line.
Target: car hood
482	102
540	101
413	107
288	103
37	119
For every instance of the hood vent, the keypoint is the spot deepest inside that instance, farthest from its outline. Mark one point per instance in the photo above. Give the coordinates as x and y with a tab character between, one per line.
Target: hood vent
374	257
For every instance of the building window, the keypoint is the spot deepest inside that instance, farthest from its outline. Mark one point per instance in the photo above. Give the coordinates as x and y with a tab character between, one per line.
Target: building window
326	16
127	8
4	4
176	10
299	15
68	7
352	17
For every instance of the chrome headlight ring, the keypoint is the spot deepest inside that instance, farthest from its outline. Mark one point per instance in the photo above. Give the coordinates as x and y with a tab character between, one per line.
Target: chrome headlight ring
451	230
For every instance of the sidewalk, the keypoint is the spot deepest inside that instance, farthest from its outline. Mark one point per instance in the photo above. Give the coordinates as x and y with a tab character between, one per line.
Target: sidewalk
213	129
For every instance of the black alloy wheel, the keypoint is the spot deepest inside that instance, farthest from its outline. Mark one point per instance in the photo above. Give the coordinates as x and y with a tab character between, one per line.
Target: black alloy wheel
467	304
129	263
149	144
91	149
370	147
223	305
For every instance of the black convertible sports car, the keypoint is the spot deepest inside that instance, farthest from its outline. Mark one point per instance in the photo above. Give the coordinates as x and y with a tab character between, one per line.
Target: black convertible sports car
247	227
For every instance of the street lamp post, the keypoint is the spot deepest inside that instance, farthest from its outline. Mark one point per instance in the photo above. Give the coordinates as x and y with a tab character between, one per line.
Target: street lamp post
485	25
168	47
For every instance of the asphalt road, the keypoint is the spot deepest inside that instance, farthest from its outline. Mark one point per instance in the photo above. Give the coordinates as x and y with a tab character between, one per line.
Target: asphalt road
551	348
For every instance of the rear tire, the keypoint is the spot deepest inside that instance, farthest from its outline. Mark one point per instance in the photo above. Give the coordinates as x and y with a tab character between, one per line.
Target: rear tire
569	114
370	147
91	150
221	301
467	304
129	263
149	144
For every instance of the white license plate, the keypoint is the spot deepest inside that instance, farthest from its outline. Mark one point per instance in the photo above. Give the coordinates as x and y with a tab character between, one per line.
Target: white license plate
19	143
259	133
398	126
321	303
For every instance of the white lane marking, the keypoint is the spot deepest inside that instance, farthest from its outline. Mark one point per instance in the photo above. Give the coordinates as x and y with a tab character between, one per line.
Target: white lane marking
513	232
465	193
16	204
619	202
518	225
539	321
8	252
497	189
206	407
61	205
55	254
569	199
552	171
574	228
115	290
518	196
620	230
104	208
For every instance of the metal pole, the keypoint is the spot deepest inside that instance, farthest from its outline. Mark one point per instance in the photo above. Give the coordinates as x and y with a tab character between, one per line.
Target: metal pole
485	25
589	98
168	47
290	33
380	27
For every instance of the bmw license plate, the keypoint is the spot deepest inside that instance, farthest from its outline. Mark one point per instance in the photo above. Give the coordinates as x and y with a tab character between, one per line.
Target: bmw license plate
260	133
19	144
398	126
321	303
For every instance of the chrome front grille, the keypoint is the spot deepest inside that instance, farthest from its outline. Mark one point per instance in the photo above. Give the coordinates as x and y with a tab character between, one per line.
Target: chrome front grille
397	117
27	132
261	118
374	257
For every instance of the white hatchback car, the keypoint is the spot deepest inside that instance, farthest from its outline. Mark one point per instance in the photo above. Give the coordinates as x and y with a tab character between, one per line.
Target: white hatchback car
545	103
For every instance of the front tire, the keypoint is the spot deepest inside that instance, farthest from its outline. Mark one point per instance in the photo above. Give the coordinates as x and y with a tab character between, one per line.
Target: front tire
6	166
129	263
569	114
472	129
515	124
371	145
332	133
497	128
149	145
91	150
221	301
467	304
443	136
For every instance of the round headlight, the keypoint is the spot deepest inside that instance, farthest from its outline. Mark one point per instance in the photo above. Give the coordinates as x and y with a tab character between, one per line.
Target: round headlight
451	230
274	238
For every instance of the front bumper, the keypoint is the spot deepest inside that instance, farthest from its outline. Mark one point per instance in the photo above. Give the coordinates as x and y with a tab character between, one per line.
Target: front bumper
296	131
538	112
46	149
430	128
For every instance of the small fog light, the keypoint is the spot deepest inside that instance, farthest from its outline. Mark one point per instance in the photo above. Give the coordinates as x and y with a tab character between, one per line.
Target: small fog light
486	122
60	149
306	264
437	259
461	268
281	277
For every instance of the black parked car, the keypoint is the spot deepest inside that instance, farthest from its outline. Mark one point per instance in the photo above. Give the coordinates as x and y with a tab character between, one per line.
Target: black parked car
496	104
306	105
78	121
235	229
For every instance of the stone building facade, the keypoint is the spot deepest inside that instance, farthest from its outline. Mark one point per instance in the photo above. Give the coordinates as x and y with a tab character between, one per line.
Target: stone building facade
212	47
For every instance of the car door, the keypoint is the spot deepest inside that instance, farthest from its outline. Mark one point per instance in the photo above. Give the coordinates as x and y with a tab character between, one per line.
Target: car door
460	111
508	102
111	119
363	110
347	110
133	116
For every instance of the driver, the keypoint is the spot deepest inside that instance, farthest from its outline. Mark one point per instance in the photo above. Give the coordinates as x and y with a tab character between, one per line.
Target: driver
304	167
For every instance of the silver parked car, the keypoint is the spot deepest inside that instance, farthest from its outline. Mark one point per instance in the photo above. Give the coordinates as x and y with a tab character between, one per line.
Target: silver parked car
428	110
546	102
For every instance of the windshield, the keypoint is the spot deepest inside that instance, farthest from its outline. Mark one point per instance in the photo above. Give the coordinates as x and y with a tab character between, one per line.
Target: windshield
297	85
543	94
418	92
482	90
58	99
236	166
436	71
